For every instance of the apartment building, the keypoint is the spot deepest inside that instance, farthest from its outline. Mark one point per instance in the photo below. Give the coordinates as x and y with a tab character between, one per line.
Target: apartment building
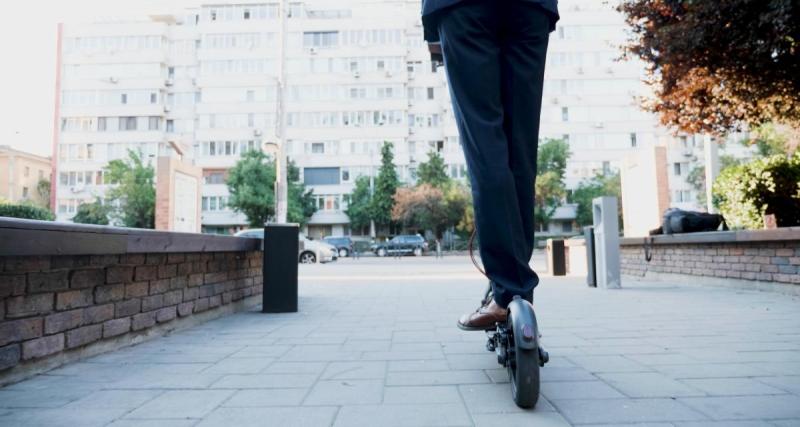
359	72
20	174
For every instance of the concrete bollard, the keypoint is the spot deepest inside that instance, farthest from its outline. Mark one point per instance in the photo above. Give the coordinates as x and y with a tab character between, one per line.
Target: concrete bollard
606	241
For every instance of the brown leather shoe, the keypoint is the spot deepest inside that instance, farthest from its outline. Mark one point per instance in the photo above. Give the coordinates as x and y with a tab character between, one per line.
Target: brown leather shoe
484	318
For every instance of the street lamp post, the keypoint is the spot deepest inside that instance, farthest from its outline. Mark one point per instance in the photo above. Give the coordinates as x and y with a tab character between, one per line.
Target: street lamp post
281	184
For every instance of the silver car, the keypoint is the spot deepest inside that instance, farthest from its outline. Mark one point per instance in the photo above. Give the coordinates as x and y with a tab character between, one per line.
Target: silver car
309	251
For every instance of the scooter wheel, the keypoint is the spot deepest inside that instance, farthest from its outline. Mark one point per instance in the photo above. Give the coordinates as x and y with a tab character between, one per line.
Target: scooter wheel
523	372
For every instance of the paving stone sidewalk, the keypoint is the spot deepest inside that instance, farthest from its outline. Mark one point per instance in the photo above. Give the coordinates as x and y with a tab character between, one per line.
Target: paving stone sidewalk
375	344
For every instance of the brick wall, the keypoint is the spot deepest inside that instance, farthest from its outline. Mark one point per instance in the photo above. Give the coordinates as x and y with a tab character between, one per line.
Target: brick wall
50	305
775	262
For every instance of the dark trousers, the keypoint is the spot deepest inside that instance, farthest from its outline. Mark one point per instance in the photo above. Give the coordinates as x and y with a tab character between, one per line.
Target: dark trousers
494	54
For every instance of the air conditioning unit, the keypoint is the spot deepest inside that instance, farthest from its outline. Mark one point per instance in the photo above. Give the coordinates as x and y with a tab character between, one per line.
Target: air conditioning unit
113	80
599	125
389	74
257	132
356	74
194	81
169	82
554	100
167	108
312	51
411	131
580	70
411	75
78	188
609	70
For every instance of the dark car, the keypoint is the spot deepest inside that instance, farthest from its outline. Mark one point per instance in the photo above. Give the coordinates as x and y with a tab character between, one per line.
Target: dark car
408	244
343	244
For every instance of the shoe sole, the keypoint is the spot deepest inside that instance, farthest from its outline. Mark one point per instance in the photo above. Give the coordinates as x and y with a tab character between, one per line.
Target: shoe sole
464	327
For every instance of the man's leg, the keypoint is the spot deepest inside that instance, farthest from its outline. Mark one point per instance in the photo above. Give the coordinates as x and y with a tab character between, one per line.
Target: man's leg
471	44
523	52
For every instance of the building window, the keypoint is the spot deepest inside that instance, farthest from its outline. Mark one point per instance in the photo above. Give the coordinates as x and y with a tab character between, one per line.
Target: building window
251	96
127	123
634	142
564	114
246	14
170	125
345	175
430	93
153	97
124	98
154	123
321	176
320	39
215	178
41	174
318	148
677	168
606	168
683	196
102	124
27	172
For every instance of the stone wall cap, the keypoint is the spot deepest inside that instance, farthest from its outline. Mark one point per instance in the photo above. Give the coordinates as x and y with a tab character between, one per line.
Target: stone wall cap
22	237
773	235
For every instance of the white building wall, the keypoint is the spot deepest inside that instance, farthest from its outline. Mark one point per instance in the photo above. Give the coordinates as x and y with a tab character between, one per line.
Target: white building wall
213	74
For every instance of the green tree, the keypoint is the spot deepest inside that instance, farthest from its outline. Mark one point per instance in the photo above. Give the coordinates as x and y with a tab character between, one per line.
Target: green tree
550	191
771	139
93	213
764	186
358	210
302	204
551	165
717	66
552	157
251	184
433	171
386	184
430	208
134	191
43	189
598	186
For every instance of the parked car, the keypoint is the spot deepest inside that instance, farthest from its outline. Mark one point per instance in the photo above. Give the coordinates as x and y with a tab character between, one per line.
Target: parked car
407	244
343	244
309	251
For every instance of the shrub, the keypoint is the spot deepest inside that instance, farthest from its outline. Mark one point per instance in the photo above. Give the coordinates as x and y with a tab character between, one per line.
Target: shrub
771	185
25	212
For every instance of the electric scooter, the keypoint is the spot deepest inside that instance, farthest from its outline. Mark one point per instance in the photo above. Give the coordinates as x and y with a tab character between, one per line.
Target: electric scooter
516	342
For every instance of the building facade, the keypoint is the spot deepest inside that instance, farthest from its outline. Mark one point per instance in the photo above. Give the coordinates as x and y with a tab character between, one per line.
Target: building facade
20	175
359	75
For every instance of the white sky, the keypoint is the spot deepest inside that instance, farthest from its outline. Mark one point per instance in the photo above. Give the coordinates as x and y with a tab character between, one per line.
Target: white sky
28	65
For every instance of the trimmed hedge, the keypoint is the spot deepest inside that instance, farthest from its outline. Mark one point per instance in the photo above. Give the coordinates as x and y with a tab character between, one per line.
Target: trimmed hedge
26	212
